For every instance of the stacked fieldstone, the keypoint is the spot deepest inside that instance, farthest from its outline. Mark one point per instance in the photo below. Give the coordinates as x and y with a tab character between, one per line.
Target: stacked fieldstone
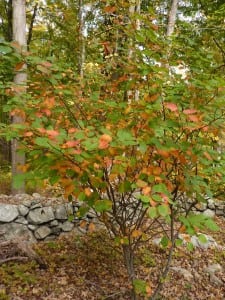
38	218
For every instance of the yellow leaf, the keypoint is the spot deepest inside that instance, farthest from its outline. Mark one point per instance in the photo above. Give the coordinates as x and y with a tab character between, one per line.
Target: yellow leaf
136	233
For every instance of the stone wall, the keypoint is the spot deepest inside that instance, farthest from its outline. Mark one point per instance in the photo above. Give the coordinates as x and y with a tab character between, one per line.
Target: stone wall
38	218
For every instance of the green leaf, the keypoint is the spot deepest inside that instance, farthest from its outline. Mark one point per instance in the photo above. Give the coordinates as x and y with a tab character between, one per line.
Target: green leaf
160	188
70	218
210	224
164	241
126	137
163	210
157	198
102	205
144	198
152	212
42	141
5	49
124	187
140	286
178	242
202	238
190	246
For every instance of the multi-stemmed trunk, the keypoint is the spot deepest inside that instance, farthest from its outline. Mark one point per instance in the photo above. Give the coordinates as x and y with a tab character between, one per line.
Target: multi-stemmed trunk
20	78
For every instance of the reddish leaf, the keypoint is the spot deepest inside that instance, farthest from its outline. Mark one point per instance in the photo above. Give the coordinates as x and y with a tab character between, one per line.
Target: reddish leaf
207	155
190	111
110	9
104	141
52	133
70	144
19	66
171	106
194	118
28	133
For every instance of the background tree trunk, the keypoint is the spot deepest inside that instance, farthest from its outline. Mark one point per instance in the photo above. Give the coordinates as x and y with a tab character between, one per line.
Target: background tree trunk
172	17
19	36
81	39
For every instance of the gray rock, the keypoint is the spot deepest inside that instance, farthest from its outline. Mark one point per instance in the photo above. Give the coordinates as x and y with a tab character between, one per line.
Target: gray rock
27	203
42	232
56	230
32	227
41	215
15	230
69	208
209	213
23	210
202	206
61	212
219	212
209	243
67	226
54	223
211	203
51	237
75	209
185	273
36	205
21	197
8	213
21	220
78	231
91	214
82	230
36	196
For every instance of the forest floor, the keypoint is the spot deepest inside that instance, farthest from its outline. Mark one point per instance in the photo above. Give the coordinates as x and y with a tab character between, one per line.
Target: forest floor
88	268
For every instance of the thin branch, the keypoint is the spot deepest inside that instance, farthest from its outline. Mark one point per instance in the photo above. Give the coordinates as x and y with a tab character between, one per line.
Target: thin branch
30	32
13	258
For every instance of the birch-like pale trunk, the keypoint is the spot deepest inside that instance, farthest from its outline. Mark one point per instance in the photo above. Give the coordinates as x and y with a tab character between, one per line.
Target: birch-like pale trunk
81	39
20	78
135	7
172	17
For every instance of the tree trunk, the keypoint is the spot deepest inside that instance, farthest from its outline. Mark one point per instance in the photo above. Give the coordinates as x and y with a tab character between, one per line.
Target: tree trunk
128	256
19	36
81	39
172	17
9	17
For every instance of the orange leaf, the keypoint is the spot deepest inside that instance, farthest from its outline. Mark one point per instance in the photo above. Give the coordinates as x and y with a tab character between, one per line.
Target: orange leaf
72	130
189	111
70	144
104	141
136	233
91	227
146	190
52	133
28	133
110	9
207	155
19	66
83	224
87	192
148	290
163	153
171	106
46	111
194	118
